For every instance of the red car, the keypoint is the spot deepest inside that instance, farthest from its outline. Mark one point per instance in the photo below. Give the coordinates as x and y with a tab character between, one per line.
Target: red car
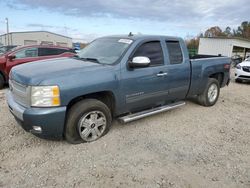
27	54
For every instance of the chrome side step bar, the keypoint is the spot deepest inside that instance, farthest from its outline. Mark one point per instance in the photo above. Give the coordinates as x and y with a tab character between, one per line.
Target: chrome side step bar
142	114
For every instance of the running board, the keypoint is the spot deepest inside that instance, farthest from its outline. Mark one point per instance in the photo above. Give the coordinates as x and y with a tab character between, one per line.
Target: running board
142	114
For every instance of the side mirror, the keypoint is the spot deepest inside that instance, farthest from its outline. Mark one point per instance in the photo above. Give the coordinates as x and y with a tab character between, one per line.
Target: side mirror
11	57
139	62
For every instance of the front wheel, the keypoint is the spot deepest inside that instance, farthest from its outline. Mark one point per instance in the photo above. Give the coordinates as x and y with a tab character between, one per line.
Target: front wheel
211	93
87	121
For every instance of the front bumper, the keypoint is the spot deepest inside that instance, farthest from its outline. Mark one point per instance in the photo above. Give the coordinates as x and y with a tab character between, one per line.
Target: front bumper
51	120
242	75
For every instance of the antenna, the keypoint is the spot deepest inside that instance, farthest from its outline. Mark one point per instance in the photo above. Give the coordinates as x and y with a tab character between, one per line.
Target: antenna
130	34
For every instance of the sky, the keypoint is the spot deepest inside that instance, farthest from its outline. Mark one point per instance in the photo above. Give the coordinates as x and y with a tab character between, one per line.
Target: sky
89	19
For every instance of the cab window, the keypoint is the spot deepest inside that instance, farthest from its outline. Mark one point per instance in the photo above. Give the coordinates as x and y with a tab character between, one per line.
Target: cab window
174	52
153	51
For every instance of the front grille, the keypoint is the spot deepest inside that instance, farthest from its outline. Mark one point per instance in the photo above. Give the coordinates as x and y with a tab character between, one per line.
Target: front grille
246	69
244	77
20	93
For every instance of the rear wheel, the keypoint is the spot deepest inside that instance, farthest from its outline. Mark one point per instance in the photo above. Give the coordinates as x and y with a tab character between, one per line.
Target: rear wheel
87	121
211	93
1	81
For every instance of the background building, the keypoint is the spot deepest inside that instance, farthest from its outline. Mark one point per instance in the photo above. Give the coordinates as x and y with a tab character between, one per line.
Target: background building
35	37
224	46
79	43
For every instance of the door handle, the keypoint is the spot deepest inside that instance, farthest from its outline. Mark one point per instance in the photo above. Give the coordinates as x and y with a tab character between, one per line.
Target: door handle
160	74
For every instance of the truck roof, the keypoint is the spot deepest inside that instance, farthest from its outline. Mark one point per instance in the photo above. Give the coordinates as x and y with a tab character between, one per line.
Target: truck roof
142	37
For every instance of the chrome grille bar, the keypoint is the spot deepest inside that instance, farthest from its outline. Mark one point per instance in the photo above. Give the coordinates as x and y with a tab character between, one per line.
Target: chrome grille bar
20	93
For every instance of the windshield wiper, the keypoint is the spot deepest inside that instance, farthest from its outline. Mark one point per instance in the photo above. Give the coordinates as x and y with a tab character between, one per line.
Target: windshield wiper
92	59
89	59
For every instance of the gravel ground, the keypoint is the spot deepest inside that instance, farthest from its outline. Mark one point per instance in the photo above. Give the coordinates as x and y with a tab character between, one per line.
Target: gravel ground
192	146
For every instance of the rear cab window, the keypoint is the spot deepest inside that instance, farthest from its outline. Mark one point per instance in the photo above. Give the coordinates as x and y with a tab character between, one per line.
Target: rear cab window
174	52
153	51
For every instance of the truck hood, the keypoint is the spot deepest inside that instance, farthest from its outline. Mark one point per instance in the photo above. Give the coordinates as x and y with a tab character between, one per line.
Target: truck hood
36	72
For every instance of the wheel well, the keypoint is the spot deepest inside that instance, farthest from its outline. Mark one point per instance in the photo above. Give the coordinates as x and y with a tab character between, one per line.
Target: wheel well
218	76
106	97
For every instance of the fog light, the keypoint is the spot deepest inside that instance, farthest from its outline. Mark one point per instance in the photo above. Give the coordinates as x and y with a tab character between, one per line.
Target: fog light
37	128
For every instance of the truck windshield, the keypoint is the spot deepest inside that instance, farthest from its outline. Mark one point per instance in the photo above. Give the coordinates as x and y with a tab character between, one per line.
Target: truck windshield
105	50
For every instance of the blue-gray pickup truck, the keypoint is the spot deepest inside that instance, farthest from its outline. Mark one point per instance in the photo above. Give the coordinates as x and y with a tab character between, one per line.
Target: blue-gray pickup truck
124	77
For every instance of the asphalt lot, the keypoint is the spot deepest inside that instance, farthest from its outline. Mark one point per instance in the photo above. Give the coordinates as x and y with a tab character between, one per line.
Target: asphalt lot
192	146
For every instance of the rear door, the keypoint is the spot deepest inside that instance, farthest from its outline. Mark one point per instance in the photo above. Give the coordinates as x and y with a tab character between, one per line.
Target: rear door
145	87
178	70
22	56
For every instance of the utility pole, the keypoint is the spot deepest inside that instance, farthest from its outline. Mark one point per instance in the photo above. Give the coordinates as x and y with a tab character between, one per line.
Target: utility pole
7	28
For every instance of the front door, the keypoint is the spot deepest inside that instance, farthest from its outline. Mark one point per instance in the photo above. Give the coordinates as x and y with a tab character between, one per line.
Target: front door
145	87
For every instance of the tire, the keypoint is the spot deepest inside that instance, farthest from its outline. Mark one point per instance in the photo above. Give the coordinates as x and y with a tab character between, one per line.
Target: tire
2	82
85	119
211	93
238	80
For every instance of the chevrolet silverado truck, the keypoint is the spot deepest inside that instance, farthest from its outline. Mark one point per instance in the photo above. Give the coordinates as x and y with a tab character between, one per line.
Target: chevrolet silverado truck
123	77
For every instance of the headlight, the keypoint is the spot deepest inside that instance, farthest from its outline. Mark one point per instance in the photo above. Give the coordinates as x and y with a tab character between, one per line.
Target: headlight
45	96
238	66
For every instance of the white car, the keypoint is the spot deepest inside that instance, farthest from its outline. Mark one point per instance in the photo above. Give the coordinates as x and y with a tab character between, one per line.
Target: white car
243	71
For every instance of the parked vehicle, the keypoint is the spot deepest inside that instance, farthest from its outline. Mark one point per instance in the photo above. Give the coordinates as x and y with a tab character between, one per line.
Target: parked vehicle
236	59
128	77
242	72
27	54
4	49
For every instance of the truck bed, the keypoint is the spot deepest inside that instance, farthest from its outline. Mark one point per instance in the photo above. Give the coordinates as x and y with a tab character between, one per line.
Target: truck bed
204	65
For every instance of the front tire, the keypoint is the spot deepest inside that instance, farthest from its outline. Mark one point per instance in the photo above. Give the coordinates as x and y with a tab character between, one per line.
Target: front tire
211	93
87	121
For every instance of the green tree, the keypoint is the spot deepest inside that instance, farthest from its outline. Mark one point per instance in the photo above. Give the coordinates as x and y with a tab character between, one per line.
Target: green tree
244	29
228	31
214	32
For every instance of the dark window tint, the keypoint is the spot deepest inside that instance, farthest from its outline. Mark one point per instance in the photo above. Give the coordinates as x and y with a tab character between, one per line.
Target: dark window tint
152	50
174	51
51	51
